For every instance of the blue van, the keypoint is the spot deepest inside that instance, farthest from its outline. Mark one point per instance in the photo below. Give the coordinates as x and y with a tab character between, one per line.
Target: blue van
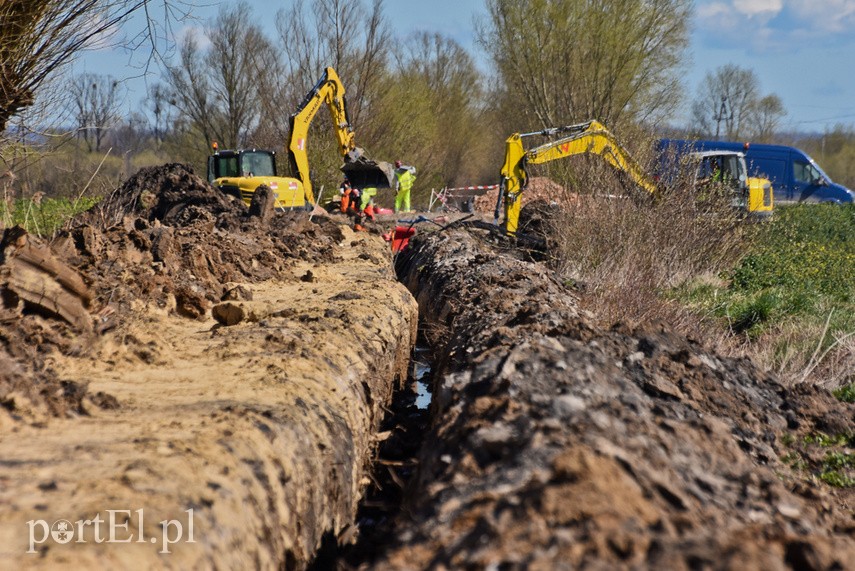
795	176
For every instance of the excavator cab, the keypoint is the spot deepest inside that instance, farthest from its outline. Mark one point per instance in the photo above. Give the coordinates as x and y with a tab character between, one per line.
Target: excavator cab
240	173
241	163
721	171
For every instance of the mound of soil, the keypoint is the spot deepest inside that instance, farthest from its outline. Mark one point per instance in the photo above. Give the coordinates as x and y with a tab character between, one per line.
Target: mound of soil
539	188
166	238
177	354
557	444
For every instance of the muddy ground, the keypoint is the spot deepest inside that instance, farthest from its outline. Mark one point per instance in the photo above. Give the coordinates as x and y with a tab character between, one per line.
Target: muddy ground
174	350
556	443
233	362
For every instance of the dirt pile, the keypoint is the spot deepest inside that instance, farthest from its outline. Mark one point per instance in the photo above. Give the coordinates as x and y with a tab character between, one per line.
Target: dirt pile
557	444
167	233
539	188
261	422
163	238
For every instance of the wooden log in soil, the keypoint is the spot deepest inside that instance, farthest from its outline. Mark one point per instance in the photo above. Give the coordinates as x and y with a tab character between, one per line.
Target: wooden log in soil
30	273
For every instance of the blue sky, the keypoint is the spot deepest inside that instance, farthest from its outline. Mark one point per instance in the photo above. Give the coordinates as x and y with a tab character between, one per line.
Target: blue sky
801	50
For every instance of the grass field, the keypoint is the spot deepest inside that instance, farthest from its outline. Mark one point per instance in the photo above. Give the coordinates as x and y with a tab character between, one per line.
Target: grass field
42	217
791	299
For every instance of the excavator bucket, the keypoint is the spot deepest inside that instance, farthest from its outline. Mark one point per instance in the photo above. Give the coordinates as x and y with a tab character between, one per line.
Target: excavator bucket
362	172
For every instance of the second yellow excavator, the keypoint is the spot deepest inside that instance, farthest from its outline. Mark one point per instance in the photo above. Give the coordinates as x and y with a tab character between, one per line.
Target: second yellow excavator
592	137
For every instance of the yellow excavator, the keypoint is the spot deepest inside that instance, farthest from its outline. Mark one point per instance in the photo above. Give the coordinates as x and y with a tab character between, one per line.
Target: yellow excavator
359	170
241	173
593	137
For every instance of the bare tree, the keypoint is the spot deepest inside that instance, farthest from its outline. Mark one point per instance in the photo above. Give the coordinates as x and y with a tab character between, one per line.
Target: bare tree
95	100
567	61
189	89
159	103
39	37
351	38
219	90
769	111
725	102
729	105
236	46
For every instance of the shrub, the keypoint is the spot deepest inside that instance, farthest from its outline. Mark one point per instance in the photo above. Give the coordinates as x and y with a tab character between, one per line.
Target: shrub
629	249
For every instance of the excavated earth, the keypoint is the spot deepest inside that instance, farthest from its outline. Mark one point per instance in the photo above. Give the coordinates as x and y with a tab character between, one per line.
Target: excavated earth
228	373
556	443
214	375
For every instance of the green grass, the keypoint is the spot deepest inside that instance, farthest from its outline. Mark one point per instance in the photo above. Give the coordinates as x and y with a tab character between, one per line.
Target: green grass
45	216
837	464
845	393
793	290
829	441
836	467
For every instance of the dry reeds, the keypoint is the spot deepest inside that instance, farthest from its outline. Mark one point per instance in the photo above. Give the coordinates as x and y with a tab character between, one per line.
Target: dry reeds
628	249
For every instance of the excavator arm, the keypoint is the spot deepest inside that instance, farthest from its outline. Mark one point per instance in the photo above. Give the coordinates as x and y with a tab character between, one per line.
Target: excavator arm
361	171
591	137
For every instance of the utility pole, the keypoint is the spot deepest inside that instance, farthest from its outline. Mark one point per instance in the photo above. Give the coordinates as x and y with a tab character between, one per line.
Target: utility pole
721	116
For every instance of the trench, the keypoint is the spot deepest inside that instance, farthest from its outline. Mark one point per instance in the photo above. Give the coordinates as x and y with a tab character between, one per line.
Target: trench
394	465
554	443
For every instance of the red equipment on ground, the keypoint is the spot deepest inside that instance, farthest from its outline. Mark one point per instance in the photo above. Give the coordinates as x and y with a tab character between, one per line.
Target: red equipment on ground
399	237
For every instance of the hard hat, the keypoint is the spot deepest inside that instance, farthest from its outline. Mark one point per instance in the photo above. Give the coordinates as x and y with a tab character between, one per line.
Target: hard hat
397	164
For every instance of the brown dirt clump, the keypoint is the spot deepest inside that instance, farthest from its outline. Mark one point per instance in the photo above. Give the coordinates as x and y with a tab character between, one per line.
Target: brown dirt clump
557	444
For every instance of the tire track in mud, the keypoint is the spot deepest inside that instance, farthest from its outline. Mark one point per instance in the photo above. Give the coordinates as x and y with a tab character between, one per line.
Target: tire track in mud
556	444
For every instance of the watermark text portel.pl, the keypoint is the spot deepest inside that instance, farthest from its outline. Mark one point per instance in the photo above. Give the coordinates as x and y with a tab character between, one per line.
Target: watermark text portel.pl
113	527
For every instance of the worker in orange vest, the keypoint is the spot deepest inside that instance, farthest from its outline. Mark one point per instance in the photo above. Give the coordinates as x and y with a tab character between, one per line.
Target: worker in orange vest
344	190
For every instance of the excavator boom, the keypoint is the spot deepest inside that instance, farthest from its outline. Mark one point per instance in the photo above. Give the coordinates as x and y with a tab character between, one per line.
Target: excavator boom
591	137
360	170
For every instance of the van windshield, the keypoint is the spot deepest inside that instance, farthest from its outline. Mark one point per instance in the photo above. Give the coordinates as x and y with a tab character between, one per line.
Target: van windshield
816	166
808	172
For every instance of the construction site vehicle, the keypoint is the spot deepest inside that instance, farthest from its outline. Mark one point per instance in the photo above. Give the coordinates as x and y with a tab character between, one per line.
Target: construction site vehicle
359	169
241	173
728	170
593	138
795	175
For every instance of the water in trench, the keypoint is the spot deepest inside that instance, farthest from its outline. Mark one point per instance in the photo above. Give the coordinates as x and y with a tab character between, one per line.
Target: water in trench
421	368
396	462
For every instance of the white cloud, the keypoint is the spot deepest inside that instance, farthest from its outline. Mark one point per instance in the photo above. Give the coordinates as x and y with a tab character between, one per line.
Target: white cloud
195	32
826	16
713	10
775	24
717	18
763	8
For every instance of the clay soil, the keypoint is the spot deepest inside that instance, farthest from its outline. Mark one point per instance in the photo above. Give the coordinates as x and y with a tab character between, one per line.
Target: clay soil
232	362
174	350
